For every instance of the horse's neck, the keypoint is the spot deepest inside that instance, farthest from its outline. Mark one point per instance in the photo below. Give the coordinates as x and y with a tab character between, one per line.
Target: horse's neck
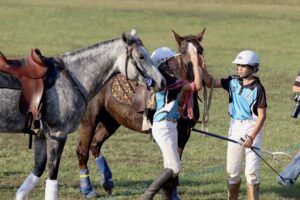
92	67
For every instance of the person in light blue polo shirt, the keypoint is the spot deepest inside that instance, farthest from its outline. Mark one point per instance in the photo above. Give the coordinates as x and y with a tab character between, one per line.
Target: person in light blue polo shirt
164	128
247	110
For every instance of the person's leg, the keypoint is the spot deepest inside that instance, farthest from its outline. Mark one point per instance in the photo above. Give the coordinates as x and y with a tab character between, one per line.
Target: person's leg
171	160
167	189
164	177
165	135
234	163
252	170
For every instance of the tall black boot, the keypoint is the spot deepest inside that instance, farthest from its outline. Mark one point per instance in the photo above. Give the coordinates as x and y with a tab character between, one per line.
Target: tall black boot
157	184
166	190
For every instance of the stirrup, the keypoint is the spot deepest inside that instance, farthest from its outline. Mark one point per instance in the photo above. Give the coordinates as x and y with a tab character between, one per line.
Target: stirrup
38	127
34	127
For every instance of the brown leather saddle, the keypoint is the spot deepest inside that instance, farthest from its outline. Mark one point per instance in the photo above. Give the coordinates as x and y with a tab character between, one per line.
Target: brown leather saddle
31	71
130	92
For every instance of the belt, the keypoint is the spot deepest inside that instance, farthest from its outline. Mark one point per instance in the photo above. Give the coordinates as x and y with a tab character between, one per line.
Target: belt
169	120
238	121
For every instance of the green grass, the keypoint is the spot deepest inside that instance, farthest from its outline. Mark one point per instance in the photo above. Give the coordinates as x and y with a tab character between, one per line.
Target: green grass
270	27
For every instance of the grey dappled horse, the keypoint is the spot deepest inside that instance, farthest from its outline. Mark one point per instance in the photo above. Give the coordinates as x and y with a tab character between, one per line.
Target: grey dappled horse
65	102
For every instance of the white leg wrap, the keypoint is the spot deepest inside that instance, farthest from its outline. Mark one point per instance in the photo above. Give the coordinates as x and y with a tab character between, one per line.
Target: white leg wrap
51	189
25	189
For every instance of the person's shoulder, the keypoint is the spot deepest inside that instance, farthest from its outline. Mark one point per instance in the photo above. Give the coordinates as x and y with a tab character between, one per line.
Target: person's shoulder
231	77
258	84
235	77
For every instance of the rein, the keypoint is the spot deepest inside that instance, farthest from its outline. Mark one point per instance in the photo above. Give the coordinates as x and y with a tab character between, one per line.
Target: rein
207	97
207	103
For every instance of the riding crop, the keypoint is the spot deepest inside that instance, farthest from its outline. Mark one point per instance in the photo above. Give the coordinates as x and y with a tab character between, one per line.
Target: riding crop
234	141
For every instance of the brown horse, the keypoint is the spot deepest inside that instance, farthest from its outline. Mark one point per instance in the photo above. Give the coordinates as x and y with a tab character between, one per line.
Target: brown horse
108	111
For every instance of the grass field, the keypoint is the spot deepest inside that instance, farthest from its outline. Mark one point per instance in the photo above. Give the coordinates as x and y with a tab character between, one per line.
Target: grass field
270	27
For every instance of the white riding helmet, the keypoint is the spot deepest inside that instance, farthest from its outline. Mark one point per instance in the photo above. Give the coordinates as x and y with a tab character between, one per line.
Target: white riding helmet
161	55
247	57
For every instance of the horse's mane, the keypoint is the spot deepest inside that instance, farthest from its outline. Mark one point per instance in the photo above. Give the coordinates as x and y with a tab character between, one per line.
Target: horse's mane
78	51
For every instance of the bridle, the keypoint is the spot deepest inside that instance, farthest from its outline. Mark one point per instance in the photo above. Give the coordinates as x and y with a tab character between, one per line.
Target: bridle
131	44
188	69
186	63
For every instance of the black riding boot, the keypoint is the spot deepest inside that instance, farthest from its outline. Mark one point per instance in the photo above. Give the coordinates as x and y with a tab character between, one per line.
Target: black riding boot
166	190
157	184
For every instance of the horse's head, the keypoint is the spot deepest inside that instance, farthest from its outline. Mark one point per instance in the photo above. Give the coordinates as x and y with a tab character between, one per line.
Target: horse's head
138	65
185	69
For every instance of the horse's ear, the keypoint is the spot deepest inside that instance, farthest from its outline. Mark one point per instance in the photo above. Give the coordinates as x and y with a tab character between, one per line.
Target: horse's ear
124	38
177	37
2	56
200	35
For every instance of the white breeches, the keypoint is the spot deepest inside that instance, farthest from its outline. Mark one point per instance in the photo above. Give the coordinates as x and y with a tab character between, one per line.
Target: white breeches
166	136
237	130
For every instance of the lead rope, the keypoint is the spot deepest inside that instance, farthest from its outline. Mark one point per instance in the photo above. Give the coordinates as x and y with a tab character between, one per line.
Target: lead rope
207	103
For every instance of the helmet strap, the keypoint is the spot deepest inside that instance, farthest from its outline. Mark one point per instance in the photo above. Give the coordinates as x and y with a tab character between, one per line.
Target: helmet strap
253	71
248	75
164	68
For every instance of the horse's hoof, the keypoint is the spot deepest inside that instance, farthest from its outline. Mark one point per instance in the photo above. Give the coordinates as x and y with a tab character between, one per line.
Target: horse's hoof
92	194
108	186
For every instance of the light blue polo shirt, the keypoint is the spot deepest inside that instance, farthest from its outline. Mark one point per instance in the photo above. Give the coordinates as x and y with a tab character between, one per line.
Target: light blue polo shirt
244	99
165	110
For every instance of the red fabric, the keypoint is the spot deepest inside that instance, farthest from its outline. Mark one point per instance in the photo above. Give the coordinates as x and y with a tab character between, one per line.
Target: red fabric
188	99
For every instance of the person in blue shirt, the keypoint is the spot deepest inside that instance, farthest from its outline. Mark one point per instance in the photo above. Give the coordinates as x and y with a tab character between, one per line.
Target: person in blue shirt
164	128
247	110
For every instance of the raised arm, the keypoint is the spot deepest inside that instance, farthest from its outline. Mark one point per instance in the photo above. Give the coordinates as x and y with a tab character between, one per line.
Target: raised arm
208	78
187	88
196	68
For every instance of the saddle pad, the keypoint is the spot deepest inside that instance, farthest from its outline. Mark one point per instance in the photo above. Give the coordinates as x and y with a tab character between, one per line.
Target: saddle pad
123	89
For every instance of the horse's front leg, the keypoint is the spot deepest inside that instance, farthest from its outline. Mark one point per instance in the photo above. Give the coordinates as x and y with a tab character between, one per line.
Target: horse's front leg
55	145
106	128
88	127
40	159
